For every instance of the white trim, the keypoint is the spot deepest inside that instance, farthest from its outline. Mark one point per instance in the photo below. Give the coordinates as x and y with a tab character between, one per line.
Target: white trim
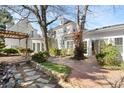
69	41
96	38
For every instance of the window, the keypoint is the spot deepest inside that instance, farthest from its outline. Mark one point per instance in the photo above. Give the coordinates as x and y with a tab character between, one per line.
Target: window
33	46
119	43
65	29
70	44
32	33
85	46
62	43
38	46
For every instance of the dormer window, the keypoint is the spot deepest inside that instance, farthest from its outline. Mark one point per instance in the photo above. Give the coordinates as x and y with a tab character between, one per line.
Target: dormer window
65	29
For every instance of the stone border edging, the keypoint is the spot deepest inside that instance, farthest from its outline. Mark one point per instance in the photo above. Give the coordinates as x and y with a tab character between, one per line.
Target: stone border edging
60	77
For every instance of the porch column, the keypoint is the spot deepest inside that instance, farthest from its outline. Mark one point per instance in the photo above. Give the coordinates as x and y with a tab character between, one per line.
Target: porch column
111	41
89	47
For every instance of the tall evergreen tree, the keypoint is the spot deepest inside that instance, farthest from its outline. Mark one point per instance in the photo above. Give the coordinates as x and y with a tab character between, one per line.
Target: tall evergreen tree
5	19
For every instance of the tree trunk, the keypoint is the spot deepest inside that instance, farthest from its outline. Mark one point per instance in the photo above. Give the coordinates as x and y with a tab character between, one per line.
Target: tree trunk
46	39
44	26
79	50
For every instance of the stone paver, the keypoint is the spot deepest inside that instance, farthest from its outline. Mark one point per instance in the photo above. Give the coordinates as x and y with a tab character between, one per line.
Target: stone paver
30	73
32	86
32	77
18	75
26	76
42	80
26	70
26	83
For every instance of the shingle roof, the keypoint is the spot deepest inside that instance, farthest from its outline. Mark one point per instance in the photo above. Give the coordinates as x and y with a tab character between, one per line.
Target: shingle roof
112	27
60	26
22	26
25	27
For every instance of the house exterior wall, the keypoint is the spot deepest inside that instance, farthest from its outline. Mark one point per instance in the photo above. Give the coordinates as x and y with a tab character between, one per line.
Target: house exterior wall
108	34
25	27
61	32
36	42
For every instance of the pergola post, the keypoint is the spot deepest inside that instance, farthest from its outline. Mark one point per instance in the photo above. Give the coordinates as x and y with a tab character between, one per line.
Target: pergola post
15	35
26	47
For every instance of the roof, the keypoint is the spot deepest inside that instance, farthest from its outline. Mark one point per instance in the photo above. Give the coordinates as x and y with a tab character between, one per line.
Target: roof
22	24
25	27
108	28
60	26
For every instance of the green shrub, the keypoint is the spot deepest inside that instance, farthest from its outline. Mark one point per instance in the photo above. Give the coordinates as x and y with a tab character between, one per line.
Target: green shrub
54	52
85	50
63	52
40	57
70	51
10	51
2	44
109	56
23	50
100	58
1	50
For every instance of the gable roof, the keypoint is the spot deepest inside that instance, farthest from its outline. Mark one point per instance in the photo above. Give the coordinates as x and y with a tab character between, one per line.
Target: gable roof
22	26
64	24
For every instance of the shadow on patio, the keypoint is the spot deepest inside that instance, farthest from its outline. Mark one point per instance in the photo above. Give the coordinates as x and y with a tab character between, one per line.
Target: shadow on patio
87	73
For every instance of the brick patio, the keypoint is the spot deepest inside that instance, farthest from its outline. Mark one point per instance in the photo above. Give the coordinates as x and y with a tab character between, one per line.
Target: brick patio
88	73
12	59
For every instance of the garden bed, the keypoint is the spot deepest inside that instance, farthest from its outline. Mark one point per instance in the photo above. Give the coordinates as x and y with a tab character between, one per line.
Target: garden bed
121	67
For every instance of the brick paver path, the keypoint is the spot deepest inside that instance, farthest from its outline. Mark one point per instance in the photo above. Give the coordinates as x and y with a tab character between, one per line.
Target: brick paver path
88	73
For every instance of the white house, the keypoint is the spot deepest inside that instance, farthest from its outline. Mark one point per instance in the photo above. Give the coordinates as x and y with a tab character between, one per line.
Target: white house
34	40
58	33
93	39
96	38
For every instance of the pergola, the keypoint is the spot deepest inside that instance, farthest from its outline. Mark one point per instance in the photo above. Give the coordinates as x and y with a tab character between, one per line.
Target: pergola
15	35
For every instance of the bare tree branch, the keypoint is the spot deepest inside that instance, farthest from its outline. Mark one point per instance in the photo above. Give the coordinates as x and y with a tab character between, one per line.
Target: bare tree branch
29	8
53	20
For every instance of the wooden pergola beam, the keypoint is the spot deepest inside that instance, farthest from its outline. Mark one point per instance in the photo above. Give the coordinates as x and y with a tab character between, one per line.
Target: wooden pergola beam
15	35
12	34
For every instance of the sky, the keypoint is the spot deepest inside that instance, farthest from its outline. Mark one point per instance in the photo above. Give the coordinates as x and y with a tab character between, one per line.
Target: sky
97	16
105	16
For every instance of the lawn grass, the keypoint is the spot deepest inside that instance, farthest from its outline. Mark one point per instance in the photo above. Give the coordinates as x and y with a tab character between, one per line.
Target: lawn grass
57	67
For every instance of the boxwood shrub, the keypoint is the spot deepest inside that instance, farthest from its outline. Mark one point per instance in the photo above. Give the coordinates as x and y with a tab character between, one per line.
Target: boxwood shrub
23	50
10	51
54	52
40	57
